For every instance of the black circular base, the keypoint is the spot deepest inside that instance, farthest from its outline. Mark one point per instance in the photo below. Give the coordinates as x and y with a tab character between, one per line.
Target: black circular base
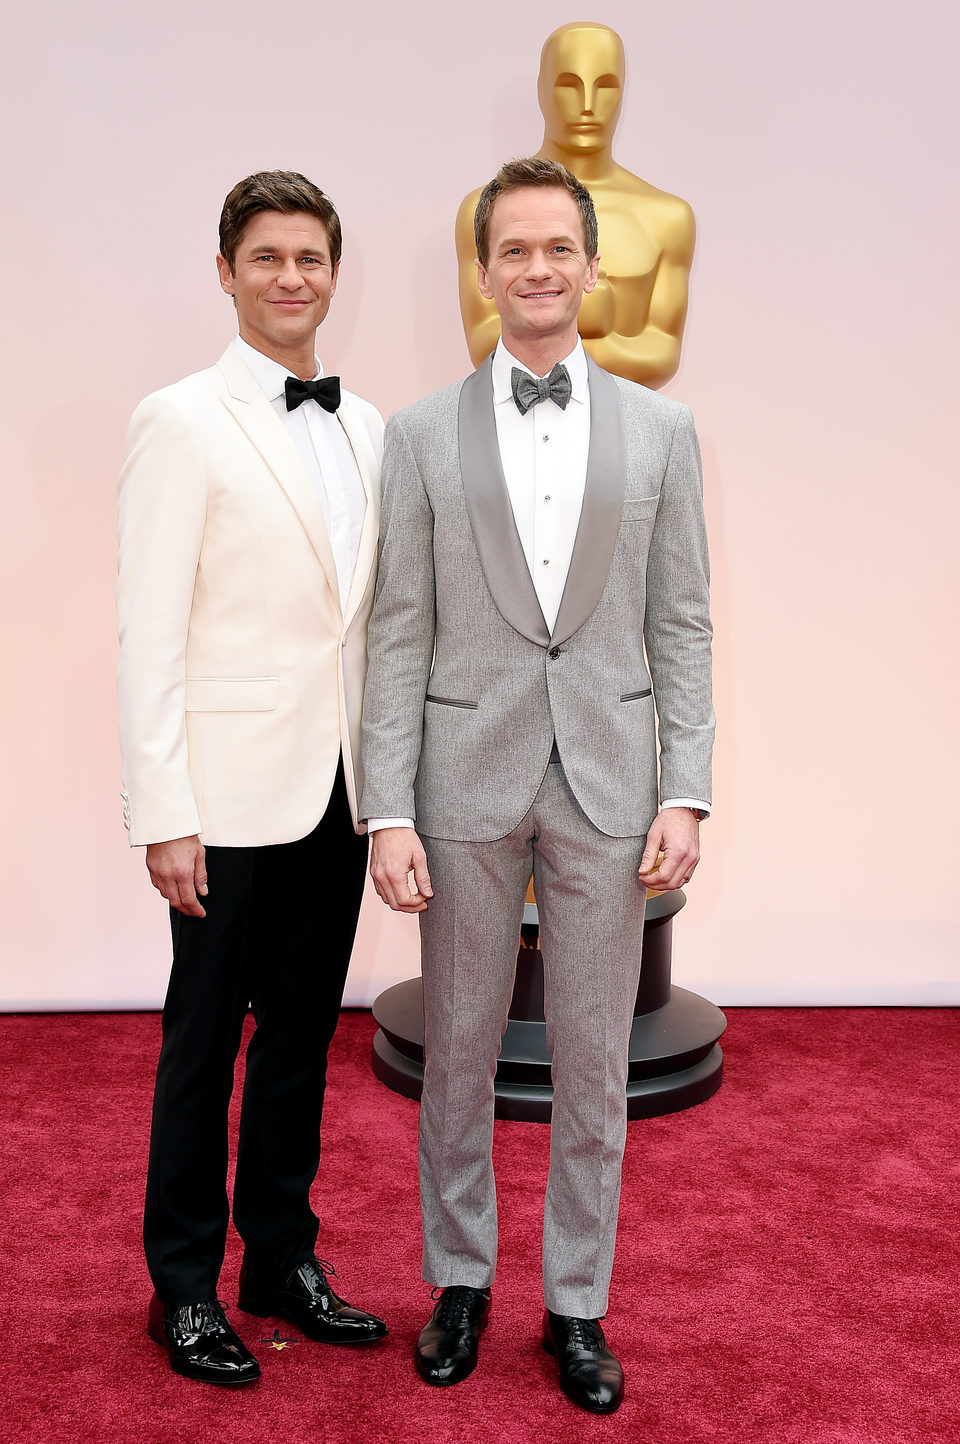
675	1060
649	1094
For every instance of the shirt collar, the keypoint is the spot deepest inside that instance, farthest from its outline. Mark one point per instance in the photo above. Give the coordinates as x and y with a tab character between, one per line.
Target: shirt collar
267	372
504	362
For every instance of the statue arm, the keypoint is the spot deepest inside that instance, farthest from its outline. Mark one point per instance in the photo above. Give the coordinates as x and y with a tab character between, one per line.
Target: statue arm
481	324
653	354
650	358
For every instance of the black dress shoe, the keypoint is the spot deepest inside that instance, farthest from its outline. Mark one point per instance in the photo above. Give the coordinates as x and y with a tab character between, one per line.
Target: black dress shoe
589	1374
201	1343
447	1347
307	1300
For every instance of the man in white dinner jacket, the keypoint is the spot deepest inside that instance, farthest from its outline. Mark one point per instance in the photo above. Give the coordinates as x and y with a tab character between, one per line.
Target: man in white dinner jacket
248	522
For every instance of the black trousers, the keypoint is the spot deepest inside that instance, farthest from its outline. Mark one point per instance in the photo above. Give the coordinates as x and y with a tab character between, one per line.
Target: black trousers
277	936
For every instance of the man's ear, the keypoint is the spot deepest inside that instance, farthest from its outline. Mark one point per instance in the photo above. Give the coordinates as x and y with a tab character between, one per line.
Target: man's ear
334	279
593	271
226	275
482	281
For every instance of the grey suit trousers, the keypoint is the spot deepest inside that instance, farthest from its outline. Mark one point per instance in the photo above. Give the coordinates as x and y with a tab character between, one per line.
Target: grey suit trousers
591	907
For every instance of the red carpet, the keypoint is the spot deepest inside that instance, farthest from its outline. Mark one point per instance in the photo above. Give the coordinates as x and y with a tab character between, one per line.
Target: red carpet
786	1271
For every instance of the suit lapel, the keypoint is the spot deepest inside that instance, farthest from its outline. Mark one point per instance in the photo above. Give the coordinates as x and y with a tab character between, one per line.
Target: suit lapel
368	468
246	401
491	515
602	506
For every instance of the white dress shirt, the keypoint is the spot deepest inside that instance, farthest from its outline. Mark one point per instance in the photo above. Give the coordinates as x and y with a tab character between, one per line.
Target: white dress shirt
328	460
544	459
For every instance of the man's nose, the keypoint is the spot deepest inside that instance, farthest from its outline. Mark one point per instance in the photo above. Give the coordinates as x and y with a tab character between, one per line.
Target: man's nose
289	276
538	266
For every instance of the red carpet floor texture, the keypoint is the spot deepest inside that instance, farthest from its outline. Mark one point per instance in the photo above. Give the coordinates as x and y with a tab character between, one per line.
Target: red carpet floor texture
786	1272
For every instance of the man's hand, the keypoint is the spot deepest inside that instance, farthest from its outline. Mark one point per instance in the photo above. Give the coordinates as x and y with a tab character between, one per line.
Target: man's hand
395	853
676	833
179	873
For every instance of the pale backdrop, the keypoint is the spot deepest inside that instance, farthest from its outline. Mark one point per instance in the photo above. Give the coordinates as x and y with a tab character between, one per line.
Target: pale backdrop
816	147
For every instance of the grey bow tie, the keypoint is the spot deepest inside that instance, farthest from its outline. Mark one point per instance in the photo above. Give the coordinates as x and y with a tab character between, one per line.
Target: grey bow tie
528	390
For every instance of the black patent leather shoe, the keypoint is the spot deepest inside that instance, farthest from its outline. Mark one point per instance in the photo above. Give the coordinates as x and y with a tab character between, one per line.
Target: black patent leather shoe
447	1347
589	1374
201	1344
307	1300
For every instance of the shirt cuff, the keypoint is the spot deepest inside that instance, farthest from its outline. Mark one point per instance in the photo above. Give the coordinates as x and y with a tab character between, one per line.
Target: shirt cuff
685	802
375	824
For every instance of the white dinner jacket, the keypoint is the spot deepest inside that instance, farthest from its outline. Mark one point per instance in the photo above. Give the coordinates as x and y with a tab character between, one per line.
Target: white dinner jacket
240	680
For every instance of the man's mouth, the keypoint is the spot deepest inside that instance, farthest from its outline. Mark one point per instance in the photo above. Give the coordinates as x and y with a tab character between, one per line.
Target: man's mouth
539	295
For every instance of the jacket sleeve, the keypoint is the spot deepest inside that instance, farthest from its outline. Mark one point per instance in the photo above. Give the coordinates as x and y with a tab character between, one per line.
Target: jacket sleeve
400	638
677	630
162	511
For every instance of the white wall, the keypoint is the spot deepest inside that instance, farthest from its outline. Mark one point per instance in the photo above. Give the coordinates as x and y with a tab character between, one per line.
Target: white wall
817	149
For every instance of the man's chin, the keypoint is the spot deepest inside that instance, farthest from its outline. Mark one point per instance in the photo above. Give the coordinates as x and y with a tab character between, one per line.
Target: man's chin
290	329
545	323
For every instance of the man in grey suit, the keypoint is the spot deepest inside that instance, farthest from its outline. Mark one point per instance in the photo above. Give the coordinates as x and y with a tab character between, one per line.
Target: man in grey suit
543	586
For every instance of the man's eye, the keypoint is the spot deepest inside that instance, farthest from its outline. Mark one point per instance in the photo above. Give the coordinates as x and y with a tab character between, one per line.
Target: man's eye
265	256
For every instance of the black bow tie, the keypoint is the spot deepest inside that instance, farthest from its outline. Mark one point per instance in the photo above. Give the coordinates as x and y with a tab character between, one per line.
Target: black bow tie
528	390
326	391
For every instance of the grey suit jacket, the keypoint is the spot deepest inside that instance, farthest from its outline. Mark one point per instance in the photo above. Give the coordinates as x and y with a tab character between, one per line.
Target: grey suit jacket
466	688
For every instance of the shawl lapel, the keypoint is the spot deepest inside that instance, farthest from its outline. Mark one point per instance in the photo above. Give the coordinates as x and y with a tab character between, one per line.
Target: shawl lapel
491	515
602	506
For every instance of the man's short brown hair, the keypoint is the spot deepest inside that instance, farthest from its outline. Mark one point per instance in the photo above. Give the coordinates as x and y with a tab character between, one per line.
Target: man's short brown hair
285	191
533	170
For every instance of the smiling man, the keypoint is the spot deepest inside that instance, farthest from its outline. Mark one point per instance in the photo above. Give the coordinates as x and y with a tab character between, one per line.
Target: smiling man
543	585
249	508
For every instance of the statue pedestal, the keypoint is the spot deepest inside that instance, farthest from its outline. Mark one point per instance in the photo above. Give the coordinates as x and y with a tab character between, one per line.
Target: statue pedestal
675	1058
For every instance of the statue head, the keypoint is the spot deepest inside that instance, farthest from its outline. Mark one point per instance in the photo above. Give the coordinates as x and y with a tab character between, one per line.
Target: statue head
581	86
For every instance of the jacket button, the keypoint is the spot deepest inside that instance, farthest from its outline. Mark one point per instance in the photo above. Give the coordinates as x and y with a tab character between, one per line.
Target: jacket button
554	653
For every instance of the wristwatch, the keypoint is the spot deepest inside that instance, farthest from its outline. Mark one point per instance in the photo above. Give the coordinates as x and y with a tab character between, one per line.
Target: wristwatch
699	813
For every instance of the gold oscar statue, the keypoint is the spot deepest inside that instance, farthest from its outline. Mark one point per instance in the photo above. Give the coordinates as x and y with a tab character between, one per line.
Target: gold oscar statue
632	323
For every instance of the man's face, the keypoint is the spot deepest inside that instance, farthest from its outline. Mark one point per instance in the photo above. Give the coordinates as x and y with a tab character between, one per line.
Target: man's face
283	281
537	267
580	89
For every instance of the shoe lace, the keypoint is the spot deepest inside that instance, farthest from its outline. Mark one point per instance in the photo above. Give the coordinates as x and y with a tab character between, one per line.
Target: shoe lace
584	1333
327	1268
210	1316
456	1307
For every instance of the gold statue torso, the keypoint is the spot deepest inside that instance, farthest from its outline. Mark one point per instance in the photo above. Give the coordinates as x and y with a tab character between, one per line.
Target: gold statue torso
630	259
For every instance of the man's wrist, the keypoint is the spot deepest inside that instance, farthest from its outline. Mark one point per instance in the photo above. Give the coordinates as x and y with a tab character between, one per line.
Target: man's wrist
696	805
377	824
